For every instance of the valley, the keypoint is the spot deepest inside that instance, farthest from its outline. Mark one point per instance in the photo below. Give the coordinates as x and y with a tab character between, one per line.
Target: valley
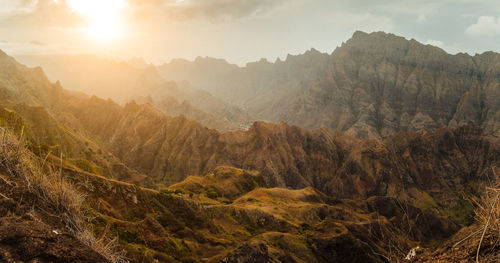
364	154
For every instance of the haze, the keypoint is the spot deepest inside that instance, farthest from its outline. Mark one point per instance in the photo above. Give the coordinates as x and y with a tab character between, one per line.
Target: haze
239	31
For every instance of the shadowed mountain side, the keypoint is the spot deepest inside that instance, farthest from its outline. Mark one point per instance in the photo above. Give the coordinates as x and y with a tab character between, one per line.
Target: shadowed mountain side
370	87
169	149
378	84
274	192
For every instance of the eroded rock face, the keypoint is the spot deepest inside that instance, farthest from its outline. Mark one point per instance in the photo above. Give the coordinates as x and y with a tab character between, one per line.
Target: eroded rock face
170	149
378	84
371	87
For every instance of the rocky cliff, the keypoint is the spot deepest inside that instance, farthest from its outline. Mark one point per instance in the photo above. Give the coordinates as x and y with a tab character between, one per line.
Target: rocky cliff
275	191
370	87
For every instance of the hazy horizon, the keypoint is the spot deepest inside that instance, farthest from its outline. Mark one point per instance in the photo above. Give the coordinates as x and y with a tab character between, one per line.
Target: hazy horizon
237	31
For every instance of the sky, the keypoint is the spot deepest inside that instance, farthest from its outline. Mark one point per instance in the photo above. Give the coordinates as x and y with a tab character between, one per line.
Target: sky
239	31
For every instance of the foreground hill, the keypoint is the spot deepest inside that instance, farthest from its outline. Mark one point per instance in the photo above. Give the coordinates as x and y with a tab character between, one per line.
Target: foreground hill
41	214
229	216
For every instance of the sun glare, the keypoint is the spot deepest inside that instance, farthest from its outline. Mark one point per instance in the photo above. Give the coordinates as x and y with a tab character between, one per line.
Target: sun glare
103	16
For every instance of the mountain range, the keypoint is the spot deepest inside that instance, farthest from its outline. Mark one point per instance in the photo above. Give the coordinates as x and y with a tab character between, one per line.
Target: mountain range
363	154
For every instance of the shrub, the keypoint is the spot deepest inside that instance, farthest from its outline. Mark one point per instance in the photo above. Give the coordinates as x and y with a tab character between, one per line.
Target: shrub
53	194
488	213
211	193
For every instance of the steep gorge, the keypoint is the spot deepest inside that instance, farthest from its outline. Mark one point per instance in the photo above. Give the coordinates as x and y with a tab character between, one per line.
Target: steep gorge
324	191
371	86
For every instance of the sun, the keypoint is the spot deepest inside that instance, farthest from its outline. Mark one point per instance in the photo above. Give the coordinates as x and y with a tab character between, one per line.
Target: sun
103	16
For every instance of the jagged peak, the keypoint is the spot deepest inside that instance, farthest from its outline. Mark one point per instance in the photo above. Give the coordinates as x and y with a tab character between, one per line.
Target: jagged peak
131	105
207	59
261	62
360	38
380	34
382	44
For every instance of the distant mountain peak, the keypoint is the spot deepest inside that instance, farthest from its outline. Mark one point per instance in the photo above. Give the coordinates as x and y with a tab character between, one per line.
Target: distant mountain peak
138	62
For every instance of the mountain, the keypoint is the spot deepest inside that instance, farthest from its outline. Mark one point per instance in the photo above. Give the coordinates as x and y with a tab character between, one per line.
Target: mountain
169	149
171	189
33	107
93	75
138	63
370	87
136	80
378	84
262	88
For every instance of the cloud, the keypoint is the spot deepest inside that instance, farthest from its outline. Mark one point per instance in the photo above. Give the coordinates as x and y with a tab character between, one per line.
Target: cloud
485	26
39	13
32	48
17	6
211	9
436	43
37	43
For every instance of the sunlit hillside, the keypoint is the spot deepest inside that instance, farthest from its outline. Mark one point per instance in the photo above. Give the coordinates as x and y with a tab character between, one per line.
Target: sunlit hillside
249	131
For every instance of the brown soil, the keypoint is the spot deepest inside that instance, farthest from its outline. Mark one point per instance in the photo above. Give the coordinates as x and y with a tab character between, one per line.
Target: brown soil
23	239
31	231
461	253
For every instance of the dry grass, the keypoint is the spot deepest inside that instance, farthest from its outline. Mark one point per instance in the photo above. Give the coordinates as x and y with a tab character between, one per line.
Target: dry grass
488	213
55	196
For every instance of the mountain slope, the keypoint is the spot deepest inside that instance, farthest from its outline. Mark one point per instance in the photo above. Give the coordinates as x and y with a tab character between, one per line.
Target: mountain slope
122	82
370	87
169	149
378	84
32	107
312	195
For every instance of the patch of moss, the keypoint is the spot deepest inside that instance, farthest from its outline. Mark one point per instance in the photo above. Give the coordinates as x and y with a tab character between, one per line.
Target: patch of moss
461	212
425	203
11	120
98	221
131	216
170	191
128	234
87	166
175	246
211	193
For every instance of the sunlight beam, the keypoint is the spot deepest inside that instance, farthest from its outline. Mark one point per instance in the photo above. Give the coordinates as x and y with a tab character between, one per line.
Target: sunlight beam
103	17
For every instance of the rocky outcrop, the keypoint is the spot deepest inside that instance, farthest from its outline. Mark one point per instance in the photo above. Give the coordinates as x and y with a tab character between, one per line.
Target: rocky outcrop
170	149
370	87
378	84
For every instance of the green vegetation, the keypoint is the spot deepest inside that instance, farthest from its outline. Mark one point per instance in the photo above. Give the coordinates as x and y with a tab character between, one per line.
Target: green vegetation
426	202
211	193
86	166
